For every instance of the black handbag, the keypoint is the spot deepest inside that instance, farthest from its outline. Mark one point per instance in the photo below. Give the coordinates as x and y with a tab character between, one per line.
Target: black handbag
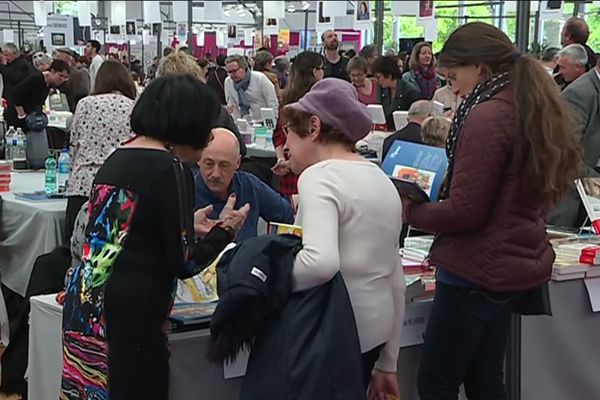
36	121
535	301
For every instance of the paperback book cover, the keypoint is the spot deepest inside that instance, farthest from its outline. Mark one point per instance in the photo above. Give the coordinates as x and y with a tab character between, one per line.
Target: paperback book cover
417	170
282	229
192	313
589	191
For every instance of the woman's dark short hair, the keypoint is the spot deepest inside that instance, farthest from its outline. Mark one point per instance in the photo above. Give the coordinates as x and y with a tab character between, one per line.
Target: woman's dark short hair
386	66
176	109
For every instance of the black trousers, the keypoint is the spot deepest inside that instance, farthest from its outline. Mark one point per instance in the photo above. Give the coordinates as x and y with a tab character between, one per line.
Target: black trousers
74	204
465	342
368	362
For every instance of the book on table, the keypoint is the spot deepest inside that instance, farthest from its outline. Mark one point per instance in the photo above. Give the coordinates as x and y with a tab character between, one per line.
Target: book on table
418	171
589	191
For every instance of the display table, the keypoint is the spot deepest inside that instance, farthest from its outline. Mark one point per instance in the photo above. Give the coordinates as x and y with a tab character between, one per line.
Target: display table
29	229
258	151
560	356
192	375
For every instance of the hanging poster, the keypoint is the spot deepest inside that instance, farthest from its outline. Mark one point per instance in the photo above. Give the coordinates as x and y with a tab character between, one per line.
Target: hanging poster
39	13
182	29
271	26
334	8
323	22
283	40
130	29
407	8
231	31
426	10
362	15
248	35
274	9
551	10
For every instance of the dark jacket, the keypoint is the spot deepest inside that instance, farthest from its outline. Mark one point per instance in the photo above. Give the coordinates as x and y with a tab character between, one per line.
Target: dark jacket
492	230
305	344
225	120
406	94
583	95
13	74
410	133
77	87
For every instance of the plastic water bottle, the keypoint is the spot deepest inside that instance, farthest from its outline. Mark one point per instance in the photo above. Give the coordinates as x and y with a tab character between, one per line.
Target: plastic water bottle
64	169
50	175
2	135
19	150
8	142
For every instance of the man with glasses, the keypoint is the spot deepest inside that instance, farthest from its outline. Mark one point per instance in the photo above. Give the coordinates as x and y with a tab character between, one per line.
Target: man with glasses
246	91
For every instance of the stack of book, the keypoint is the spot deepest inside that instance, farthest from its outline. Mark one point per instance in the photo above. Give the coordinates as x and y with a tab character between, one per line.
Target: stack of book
416	249
575	258
191	316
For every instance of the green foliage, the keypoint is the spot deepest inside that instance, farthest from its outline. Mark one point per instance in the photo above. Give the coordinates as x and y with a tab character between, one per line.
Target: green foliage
593	20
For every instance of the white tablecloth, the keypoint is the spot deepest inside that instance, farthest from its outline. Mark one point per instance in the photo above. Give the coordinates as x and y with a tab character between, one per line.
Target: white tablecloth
192	376
29	229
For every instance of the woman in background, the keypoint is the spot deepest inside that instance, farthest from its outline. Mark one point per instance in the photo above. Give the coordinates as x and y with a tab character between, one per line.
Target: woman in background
100	125
422	70
512	155
395	94
367	88
263	62
307	69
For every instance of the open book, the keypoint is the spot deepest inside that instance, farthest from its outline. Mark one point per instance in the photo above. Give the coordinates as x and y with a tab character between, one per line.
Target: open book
589	191
417	170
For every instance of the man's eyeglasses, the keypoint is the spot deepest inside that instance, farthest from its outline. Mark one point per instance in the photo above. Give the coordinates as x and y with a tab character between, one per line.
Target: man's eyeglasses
234	71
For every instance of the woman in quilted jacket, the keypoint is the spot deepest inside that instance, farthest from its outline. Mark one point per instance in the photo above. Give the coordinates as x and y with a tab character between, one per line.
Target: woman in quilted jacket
512	155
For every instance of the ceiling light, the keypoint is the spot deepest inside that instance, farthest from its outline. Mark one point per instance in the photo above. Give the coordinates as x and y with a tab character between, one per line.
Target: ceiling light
291	8
305	5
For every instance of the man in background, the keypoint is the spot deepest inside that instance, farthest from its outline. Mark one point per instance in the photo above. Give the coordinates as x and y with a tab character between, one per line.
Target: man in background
335	65
576	31
572	61
14	72
418	112
79	83
583	96
92	52
247	91
219	179
548	59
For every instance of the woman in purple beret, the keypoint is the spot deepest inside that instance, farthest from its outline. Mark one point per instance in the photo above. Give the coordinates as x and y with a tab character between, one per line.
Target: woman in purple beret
351	219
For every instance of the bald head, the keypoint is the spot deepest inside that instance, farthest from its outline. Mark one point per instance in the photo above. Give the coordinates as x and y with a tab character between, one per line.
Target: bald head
219	161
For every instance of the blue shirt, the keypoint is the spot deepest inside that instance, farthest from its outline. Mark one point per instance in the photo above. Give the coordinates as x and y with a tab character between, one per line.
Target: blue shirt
264	202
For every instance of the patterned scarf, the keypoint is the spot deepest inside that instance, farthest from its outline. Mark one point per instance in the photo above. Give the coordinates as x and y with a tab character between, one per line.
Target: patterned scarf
241	87
483	92
426	78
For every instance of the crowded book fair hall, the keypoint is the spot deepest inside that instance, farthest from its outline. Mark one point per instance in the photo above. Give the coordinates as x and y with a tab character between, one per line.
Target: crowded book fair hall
300	200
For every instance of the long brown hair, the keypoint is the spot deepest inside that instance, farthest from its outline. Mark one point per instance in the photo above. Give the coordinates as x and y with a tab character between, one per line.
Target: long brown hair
114	77
414	63
301	76
546	146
